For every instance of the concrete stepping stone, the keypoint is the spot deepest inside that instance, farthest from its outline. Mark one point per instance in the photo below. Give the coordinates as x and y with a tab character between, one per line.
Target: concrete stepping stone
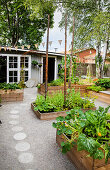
14	116
22	146
25	157
19	136
14	111
13	122
17	128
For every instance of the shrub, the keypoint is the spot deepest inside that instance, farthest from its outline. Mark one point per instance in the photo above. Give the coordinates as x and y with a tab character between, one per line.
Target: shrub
95	88
90	131
105	82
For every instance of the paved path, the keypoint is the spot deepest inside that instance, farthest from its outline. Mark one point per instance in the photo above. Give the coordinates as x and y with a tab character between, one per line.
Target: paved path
27	143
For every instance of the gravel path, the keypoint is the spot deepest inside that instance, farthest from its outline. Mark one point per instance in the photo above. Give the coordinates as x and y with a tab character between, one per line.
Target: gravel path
27	143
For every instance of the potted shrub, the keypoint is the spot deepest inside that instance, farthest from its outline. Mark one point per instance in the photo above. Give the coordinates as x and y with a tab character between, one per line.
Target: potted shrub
34	63
40	64
85	137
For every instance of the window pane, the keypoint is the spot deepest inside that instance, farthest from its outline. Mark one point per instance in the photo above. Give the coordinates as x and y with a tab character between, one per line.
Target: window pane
15	79
15	65
11	65
10	79
26	65
15	59
10	59
15	73
26	73
26	78
10	73
26	59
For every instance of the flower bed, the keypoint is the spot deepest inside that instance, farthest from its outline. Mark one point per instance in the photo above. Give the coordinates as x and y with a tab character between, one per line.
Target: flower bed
11	95
51	89
85	137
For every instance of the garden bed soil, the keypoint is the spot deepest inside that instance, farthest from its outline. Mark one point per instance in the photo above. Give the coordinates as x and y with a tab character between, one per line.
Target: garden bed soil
11	95
80	159
51	115
51	89
103	96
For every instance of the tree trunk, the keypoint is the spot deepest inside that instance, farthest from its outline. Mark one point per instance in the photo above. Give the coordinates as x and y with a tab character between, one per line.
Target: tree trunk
98	60
70	73
103	57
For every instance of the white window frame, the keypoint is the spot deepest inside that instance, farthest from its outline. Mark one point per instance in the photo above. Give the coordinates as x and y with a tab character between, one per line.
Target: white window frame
18	68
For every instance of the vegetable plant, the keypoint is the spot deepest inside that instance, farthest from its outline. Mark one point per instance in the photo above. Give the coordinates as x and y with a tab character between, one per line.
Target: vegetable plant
105	82
55	102
6	86
89	130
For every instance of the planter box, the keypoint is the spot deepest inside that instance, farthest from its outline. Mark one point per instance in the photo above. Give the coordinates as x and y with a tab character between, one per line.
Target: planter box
51	115
11	95
103	96
51	89
80	159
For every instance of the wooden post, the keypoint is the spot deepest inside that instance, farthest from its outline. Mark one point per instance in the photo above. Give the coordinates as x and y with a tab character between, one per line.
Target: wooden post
70	73
46	67
65	59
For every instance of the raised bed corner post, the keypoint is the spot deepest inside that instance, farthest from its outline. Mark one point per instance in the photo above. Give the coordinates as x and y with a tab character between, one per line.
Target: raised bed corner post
65	59
46	67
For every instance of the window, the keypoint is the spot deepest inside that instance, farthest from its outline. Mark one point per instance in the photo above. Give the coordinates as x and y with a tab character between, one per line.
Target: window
13	76
24	62
13	62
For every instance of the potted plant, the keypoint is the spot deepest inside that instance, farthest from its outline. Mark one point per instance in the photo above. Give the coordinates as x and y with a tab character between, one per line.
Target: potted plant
40	64
85	137
34	63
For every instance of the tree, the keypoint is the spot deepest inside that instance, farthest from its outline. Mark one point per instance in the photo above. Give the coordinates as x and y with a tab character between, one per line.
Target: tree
18	26
92	26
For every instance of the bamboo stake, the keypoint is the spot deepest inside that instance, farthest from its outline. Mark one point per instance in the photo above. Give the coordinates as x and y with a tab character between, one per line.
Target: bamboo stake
46	68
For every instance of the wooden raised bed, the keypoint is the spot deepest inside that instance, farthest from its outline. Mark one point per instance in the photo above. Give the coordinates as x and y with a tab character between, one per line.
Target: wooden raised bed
51	89
51	115
102	96
80	159
11	95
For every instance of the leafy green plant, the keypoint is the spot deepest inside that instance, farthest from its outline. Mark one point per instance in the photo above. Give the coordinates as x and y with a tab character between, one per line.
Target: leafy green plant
38	86
34	63
57	82
56	101
89	130
6	86
95	88
105	82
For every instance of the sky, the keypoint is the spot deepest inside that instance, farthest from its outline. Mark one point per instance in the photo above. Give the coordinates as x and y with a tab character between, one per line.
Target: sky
56	34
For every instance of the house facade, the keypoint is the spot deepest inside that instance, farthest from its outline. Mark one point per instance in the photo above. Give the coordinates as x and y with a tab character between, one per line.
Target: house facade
13	61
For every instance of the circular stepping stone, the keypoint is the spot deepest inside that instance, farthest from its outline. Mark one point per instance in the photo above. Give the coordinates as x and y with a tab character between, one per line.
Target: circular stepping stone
13	122
25	157
22	146
14	116
19	136
17	128
14	111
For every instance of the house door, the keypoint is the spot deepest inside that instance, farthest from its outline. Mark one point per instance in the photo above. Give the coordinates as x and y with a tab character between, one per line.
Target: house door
3	69
51	69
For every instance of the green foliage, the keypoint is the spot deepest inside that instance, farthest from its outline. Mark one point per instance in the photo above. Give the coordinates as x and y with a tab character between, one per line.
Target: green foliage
56	102
95	88
38	86
34	62
89	130
6	86
105	82
57	82
18	27
108	116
